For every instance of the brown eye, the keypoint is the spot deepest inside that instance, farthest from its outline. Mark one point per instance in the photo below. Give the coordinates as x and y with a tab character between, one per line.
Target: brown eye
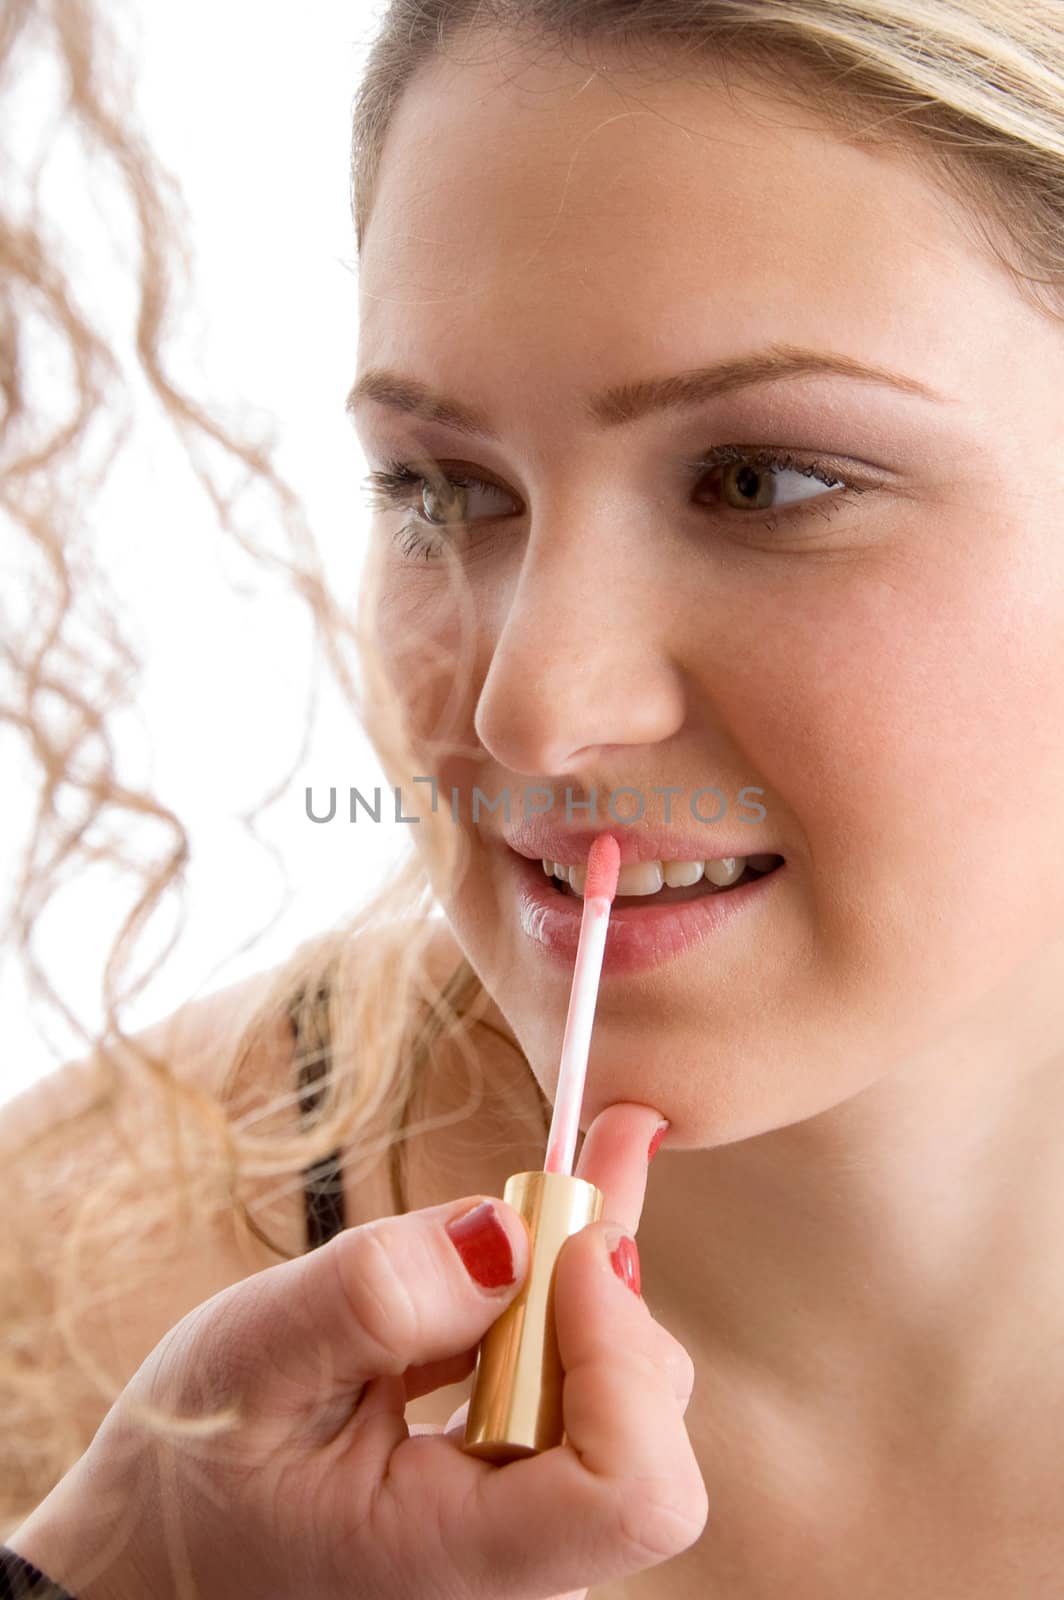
745	481
746	487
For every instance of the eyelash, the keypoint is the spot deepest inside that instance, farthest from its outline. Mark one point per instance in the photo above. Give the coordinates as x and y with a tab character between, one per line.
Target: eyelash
392	487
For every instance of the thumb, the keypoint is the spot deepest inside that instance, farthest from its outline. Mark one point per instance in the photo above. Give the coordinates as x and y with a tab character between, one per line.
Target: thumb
405	1299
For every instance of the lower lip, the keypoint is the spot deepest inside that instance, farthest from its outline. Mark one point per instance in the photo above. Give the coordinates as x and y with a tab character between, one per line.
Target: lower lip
638	936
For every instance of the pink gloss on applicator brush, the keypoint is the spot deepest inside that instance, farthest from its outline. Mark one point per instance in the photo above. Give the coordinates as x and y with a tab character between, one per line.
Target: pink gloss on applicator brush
515	1406
600	887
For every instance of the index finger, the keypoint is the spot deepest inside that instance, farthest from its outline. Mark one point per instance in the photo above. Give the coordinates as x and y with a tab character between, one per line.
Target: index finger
615	1157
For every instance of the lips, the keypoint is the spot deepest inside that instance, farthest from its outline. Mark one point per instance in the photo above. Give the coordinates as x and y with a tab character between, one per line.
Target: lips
645	931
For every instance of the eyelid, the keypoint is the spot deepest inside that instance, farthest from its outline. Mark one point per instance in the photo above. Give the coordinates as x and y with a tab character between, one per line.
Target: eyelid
812	464
397	484
847	470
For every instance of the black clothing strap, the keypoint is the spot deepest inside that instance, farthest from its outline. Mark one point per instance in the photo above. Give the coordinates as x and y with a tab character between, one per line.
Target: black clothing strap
21	1580
323	1184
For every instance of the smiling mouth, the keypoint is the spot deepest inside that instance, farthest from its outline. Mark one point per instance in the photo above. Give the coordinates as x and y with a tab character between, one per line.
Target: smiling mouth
645	881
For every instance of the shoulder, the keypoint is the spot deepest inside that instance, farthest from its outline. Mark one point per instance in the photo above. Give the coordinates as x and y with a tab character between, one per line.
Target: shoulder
196	1042
82	1140
98	1261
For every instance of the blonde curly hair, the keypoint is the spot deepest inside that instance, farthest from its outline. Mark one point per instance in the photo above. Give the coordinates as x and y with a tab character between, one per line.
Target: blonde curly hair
972	89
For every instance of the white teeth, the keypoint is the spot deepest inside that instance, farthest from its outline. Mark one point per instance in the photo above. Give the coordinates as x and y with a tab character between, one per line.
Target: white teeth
647	877
640	877
681	874
725	872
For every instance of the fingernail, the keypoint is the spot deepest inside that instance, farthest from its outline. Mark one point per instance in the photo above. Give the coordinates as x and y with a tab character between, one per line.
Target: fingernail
624	1258
484	1245
659	1134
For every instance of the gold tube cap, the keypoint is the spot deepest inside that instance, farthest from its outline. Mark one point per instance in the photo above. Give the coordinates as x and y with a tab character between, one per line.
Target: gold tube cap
515	1406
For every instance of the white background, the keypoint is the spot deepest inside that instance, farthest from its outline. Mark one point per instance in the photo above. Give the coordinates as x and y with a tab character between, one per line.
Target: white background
248	104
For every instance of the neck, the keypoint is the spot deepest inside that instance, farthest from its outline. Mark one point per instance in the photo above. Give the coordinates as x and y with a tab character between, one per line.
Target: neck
901	1248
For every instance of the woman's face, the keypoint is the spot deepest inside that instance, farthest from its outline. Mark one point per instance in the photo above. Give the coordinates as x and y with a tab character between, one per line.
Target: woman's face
884	661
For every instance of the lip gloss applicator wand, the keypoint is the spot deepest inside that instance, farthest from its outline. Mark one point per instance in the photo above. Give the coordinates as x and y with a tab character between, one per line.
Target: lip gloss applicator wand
515	1406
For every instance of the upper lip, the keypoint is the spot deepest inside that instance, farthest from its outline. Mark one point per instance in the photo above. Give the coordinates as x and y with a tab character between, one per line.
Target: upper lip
539	839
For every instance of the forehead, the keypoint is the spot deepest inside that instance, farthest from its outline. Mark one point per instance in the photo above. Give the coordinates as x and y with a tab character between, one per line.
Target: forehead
538	216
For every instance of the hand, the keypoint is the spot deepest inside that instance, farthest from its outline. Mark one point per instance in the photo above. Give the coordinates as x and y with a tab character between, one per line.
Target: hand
323	1489
613	1157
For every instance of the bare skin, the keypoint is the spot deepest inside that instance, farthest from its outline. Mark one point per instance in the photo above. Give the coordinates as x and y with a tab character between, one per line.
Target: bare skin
854	1223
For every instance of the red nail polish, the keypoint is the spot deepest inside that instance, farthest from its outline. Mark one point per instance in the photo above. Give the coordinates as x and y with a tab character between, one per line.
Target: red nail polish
625	1262
484	1245
656	1141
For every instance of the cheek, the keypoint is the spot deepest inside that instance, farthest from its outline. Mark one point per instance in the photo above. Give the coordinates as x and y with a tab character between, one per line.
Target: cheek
429	665
909	717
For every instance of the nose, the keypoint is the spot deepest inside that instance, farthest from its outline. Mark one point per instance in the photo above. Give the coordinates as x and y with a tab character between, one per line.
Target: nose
581	660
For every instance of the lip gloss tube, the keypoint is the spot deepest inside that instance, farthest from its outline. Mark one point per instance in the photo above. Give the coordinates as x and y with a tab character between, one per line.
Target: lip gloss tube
515	1406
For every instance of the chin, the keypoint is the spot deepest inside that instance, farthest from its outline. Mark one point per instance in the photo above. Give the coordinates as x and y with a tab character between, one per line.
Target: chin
697	1120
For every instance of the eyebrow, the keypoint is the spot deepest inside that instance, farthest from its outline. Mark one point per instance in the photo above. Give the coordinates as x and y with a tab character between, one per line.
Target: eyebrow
627	402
